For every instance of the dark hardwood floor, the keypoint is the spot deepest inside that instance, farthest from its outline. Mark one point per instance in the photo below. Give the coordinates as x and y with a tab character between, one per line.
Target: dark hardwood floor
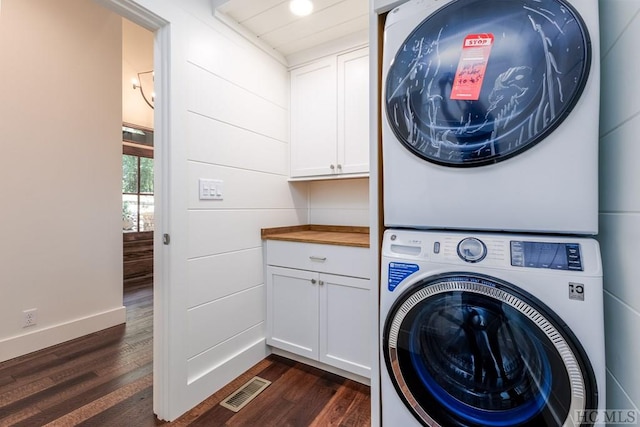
105	379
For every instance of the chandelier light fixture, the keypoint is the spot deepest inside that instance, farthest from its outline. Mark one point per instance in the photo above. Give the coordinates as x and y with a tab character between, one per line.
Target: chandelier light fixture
137	84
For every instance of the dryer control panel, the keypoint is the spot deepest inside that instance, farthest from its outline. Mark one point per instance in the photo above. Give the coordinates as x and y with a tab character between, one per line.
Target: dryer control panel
553	255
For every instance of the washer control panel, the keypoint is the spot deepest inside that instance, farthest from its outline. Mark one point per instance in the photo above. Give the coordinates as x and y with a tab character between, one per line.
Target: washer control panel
555	256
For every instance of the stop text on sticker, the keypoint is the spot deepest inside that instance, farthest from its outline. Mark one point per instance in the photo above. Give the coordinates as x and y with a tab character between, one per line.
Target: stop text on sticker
478	42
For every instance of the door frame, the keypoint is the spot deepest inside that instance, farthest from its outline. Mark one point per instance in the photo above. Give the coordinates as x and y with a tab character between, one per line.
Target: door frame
133	11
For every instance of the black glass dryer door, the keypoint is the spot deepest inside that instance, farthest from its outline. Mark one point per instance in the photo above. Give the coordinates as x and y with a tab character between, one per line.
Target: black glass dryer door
469	350
479	81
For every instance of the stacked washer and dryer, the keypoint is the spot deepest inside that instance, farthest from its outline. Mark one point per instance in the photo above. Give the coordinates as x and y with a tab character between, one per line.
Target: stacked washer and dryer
491	284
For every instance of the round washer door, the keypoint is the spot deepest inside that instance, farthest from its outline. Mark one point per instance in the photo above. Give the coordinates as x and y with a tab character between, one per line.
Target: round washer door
480	81
468	350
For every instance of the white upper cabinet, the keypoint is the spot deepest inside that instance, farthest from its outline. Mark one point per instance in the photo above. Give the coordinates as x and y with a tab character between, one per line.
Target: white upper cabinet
330	117
353	112
313	118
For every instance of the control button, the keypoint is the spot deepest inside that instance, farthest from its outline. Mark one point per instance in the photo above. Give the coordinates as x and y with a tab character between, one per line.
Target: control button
436	247
472	250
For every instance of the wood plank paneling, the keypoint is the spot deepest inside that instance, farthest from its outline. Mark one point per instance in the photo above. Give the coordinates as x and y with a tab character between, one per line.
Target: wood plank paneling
215	232
231	275
137	254
244	189
248	110
254	70
231	145
230	316
216	356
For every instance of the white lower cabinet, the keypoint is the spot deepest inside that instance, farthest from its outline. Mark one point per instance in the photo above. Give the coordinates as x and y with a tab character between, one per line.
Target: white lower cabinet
293	310
318	315
345	323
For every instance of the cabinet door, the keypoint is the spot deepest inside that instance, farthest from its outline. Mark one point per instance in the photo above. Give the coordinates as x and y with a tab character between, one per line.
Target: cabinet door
346	323
313	119
292	310
353	112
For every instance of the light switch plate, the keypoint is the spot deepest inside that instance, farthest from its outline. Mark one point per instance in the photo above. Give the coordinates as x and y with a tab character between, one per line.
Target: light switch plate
210	189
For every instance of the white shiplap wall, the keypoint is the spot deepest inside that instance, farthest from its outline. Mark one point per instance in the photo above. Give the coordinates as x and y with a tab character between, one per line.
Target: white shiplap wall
237	131
620	198
342	202
227	118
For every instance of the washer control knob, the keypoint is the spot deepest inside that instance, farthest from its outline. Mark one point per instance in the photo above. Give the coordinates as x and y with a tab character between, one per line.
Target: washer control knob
471	249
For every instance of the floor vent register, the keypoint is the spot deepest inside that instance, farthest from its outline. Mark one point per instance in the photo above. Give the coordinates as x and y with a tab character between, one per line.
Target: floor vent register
245	394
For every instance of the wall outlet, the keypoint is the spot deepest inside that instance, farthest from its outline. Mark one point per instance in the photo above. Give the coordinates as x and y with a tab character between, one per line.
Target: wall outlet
29	317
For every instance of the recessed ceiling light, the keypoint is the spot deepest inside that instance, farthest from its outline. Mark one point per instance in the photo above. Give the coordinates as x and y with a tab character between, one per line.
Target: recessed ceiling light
301	7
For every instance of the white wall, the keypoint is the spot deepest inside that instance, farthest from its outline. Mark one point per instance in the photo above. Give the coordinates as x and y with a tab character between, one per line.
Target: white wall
60	172
620	198
339	202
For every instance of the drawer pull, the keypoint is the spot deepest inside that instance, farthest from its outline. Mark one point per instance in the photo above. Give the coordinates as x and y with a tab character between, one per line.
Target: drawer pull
318	258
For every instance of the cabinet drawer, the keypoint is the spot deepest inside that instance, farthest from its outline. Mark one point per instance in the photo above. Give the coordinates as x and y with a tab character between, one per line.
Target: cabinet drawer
334	259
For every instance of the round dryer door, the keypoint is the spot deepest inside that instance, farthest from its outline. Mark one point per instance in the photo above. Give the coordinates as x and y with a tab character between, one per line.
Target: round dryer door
479	81
469	350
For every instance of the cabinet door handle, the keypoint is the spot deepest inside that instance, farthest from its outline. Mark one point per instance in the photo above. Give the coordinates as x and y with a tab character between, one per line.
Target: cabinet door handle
313	281
320	282
332	167
318	258
339	167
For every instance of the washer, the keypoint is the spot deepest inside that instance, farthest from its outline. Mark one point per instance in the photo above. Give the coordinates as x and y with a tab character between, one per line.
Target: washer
482	329
491	115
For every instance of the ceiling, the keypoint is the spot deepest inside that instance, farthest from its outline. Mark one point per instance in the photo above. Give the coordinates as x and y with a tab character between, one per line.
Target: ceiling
273	23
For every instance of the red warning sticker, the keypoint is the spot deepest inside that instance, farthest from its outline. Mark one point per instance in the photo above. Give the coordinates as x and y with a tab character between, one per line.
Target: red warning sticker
472	66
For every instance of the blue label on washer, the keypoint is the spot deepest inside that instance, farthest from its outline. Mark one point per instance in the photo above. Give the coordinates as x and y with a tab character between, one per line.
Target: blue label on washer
398	271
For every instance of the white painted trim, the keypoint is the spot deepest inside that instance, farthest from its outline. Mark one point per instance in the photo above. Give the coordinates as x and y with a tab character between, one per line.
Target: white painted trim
375	195
334	47
162	253
329	177
248	35
226	372
382	6
52	335
133	11
357	378
218	3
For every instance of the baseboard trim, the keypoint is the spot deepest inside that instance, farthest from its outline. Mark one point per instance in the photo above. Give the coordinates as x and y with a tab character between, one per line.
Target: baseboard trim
323	366
206	385
48	336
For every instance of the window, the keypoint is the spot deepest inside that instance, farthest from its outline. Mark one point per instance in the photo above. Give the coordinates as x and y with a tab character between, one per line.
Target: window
137	180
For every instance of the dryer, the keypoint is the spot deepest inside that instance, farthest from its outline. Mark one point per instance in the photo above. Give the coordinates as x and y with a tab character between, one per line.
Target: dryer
490	115
498	330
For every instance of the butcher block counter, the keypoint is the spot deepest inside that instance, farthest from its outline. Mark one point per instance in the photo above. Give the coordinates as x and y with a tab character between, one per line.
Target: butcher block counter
322	234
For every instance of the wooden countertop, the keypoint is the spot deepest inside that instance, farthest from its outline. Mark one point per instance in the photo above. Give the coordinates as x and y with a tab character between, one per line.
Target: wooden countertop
325	234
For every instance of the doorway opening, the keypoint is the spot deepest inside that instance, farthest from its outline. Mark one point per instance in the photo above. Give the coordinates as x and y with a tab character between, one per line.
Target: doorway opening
138	207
